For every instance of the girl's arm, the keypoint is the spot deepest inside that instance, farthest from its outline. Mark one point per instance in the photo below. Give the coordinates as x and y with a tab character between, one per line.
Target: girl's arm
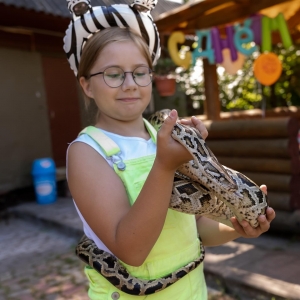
129	232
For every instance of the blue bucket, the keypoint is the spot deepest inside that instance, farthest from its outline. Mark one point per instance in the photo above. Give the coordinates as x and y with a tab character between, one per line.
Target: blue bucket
44	179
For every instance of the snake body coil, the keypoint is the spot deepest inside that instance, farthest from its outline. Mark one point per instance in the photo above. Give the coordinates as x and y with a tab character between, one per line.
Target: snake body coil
201	187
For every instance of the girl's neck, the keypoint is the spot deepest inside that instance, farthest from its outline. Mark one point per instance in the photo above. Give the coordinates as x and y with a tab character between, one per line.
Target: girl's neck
132	128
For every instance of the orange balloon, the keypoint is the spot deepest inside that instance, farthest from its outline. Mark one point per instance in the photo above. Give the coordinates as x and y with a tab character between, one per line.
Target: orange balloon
267	68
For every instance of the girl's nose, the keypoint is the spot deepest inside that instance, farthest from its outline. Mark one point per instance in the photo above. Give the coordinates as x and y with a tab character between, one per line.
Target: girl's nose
129	82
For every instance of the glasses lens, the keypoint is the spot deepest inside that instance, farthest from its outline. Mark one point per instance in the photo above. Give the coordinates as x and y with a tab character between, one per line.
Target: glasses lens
113	76
142	76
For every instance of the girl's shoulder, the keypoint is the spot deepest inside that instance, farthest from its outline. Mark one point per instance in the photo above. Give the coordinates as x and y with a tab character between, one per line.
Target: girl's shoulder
86	139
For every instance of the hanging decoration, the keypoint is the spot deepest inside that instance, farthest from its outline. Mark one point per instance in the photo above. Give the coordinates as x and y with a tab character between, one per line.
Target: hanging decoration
220	44
269	25
178	38
267	68
231	67
242	39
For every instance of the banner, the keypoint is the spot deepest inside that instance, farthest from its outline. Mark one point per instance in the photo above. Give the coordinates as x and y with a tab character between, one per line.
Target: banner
242	39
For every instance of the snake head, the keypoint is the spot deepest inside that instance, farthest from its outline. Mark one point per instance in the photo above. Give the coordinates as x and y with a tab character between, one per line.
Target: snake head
158	118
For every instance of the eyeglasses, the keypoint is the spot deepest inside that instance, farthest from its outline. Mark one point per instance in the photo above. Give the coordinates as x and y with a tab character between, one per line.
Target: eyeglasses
115	76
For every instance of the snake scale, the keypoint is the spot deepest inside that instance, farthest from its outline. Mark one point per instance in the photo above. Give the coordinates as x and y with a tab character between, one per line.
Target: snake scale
201	187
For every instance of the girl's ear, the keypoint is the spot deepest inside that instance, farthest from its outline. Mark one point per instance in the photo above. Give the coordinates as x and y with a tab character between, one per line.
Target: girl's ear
86	86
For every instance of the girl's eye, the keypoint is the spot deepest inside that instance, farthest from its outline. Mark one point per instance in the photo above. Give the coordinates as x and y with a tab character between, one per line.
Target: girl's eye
114	76
139	74
113	73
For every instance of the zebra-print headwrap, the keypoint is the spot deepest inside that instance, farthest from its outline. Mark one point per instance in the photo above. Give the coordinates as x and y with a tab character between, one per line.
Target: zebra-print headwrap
72	3
88	20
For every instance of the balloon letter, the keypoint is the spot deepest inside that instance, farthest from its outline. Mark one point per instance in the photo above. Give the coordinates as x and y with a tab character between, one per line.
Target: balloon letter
284	31
219	44
208	52
216	43
272	24
242	36
266	43
256	28
231	67
230	43
175	38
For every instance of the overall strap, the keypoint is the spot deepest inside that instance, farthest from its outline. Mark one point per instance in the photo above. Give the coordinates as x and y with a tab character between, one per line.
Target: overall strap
108	146
151	130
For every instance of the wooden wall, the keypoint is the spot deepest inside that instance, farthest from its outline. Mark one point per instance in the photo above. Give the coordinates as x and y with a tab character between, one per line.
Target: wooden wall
266	150
24	127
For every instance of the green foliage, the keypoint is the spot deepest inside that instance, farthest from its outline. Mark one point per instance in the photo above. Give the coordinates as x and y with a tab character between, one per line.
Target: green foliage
191	81
242	91
165	66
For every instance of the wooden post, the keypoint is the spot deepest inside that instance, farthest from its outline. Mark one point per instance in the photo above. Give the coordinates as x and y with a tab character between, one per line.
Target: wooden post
212	102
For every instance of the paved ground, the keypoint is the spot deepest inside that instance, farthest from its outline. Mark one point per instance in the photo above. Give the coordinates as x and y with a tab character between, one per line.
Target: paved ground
37	260
38	263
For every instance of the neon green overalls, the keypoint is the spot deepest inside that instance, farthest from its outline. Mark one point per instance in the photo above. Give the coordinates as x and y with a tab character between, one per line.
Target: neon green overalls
177	245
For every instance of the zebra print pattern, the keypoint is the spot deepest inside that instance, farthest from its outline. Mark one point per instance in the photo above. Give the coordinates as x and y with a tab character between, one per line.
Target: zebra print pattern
101	17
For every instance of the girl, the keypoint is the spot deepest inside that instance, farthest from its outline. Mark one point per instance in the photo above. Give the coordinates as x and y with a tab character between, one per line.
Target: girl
126	211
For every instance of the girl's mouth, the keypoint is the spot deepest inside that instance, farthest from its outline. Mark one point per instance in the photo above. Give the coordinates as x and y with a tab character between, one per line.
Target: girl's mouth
128	99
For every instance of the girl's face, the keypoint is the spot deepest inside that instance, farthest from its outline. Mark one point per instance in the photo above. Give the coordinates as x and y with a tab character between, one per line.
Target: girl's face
128	101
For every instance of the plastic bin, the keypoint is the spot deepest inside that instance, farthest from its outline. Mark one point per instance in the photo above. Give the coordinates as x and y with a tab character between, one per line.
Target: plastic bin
44	179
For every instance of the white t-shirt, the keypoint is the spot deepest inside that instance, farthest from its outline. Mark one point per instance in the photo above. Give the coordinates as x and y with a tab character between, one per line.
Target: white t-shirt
131	147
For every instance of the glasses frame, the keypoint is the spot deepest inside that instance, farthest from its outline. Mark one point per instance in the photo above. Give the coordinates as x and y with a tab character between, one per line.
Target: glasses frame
113	87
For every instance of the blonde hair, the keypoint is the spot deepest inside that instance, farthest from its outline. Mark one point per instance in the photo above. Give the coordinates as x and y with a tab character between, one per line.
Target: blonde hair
99	41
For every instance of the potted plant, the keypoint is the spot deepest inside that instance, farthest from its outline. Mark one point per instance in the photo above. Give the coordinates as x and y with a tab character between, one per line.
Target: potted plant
164	76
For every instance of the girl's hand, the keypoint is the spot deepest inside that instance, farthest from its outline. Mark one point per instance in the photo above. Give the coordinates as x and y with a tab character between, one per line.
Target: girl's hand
247	231
170	153
194	122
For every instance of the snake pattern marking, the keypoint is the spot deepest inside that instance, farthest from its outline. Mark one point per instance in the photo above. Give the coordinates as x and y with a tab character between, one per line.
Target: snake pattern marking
201	187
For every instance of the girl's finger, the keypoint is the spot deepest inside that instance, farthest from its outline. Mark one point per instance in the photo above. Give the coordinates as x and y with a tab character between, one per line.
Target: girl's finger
264	189
169	123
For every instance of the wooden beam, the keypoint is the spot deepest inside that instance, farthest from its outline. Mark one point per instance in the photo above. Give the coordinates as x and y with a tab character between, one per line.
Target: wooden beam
280	201
275	182
242	1
188	18
271	148
184	13
212	106
262	165
263	128
230	14
294	21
